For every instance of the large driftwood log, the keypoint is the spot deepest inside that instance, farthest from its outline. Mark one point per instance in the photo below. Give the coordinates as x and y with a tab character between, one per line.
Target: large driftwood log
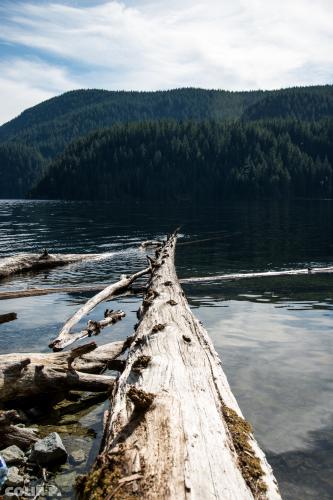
65	336
35	262
31	374
175	430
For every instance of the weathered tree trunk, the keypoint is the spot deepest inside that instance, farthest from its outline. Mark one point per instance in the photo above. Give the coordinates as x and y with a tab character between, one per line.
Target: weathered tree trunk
65	336
32	374
35	262
175	430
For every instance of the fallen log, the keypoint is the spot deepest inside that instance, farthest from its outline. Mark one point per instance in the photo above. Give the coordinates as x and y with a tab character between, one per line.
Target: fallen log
11	434
5	318
26	375
32	292
175	430
35	262
265	274
65	337
35	292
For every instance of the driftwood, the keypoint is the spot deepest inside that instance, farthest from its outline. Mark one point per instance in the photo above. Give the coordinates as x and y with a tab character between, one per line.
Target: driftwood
5	318
265	274
11	434
32	292
35	262
28	375
175	430
92	328
65	338
35	292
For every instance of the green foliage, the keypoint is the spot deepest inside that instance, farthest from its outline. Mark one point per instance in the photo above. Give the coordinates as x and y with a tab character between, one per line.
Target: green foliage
43	132
52	125
307	103
20	167
169	160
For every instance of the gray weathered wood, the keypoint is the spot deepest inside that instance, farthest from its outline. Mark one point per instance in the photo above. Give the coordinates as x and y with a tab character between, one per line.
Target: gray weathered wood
65	337
24	375
175	430
34	261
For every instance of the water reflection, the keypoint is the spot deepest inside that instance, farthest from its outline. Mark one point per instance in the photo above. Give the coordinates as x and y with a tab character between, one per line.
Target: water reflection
306	474
274	335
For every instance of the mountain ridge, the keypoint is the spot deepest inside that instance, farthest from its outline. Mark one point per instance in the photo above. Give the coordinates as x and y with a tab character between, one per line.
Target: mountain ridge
49	127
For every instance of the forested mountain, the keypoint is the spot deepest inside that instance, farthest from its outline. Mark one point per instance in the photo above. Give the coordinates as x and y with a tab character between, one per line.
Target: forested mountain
301	105
20	167
170	160
51	125
45	130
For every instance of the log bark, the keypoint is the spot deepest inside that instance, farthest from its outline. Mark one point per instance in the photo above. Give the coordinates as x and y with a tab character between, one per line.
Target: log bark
65	337
35	262
175	430
28	375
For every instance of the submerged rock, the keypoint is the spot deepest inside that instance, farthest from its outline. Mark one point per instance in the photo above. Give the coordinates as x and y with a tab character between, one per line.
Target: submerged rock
49	450
78	456
13	455
14	477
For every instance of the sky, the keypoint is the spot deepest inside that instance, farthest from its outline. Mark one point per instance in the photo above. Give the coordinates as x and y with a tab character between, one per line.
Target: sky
49	47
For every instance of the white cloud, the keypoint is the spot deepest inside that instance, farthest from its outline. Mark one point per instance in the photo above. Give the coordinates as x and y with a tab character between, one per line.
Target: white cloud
25	83
153	44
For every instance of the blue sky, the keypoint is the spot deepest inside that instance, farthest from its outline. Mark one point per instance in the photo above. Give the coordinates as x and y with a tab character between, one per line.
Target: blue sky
49	47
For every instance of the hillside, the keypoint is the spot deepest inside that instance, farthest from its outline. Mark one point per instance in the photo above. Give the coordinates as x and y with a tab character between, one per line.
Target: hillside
51	125
172	161
48	128
20	168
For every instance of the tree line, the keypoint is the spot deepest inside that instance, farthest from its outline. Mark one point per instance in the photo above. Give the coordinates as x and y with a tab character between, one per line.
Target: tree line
189	160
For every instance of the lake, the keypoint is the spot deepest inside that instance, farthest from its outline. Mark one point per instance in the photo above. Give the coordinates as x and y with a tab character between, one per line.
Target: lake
274	335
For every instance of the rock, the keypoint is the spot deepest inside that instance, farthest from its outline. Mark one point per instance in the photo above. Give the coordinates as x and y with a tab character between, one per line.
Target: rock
65	482
49	450
78	456
14	477
13	455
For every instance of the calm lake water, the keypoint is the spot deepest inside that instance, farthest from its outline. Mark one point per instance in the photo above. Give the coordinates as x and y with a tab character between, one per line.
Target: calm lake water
274	335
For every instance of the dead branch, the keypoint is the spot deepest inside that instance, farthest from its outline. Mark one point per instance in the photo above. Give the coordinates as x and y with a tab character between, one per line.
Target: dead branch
64	337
